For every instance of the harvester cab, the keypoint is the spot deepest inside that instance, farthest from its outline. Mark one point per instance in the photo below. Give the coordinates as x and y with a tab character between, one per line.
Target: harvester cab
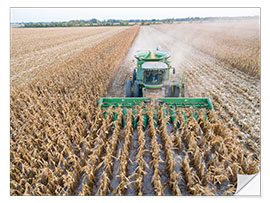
151	77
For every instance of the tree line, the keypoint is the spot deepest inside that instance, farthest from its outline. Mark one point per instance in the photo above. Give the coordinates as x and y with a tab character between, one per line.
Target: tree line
96	22
117	22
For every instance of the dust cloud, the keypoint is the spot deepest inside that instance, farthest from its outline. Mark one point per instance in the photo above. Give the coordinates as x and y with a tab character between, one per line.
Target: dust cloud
148	38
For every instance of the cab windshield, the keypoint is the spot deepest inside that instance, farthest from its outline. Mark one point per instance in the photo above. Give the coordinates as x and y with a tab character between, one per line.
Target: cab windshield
153	77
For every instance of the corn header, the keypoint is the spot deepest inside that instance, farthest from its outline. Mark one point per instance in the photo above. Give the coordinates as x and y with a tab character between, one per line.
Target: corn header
171	107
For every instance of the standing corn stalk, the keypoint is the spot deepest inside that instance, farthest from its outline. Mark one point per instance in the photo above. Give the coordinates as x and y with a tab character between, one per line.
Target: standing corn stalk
141	142
169	154
158	187
110	152
92	162
124	156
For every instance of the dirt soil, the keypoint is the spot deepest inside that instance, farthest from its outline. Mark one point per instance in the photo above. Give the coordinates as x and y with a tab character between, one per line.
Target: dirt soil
235	94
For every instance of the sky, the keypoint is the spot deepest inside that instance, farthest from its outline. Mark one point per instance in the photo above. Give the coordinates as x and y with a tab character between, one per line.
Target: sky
65	14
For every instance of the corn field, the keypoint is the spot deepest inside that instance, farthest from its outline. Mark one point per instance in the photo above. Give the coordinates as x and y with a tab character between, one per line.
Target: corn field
62	143
35	50
235	43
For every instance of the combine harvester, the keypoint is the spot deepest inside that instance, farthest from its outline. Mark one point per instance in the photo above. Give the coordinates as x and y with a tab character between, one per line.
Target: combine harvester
151	85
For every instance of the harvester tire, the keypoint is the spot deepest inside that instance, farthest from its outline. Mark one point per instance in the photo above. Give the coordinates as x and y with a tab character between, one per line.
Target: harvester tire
129	88
169	92
136	89
176	91
134	76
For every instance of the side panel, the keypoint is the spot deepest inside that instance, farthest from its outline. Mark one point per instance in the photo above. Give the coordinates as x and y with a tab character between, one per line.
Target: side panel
139	74
166	75
127	102
170	102
187	102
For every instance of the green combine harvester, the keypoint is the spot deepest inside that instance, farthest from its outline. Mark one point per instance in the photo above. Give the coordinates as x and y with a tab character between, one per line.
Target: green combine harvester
151	85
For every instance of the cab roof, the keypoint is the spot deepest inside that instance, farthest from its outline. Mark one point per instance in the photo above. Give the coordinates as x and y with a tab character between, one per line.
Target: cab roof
154	66
153	55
